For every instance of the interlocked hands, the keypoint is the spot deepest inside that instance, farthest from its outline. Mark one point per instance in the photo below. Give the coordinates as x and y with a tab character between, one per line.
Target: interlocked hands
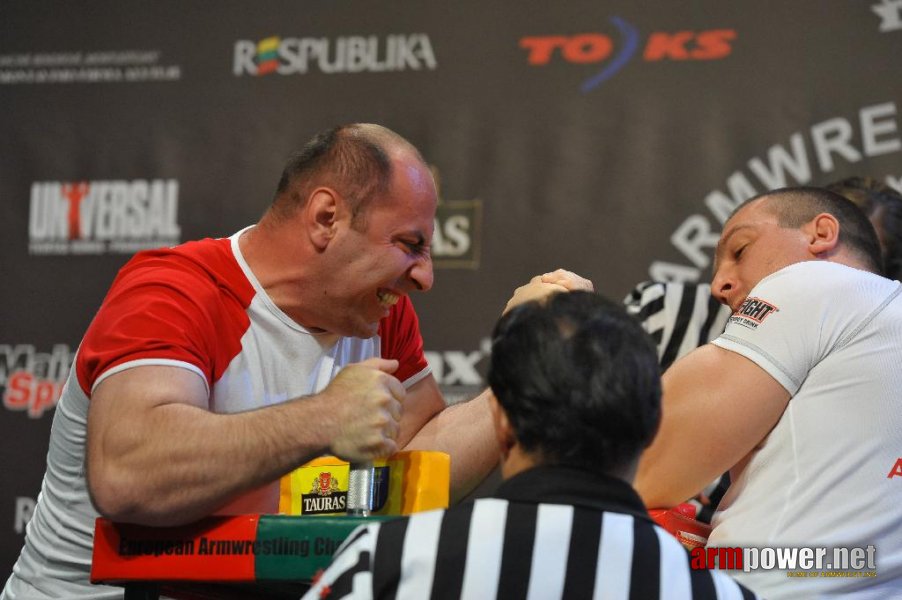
542	286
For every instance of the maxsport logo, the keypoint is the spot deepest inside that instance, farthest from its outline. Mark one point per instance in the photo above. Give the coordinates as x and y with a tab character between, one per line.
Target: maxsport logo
592	48
459	372
100	217
31	381
344	54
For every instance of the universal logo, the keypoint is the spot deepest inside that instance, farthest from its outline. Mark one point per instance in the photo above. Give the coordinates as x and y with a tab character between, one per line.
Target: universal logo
102	217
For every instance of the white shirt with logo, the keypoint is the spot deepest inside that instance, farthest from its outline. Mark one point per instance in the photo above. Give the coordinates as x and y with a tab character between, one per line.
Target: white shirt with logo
832	336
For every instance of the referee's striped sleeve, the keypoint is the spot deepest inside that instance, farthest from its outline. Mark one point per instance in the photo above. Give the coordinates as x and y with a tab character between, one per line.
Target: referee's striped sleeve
679	316
350	573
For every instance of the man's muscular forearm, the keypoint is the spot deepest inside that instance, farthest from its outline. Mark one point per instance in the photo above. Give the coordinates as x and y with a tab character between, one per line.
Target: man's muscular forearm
157	456
465	432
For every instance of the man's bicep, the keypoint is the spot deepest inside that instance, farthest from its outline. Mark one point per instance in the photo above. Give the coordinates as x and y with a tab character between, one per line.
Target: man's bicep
717	407
121	403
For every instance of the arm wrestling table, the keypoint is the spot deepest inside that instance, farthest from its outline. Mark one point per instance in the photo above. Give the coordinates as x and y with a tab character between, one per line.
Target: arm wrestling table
259	556
262	555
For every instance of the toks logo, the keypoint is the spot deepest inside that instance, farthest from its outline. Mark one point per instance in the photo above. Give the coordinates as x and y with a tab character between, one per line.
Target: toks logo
586	48
32	381
347	54
99	217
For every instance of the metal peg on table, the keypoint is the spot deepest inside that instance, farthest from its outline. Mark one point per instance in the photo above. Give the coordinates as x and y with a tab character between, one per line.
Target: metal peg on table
361	486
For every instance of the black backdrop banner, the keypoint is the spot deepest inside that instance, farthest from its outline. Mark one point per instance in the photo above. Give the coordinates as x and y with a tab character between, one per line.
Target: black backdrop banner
608	137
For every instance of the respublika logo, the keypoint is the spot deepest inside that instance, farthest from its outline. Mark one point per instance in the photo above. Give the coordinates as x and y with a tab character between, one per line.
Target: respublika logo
344	54
32	381
100	217
592	48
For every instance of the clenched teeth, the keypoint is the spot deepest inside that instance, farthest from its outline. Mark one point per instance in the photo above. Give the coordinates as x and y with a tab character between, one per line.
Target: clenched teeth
387	298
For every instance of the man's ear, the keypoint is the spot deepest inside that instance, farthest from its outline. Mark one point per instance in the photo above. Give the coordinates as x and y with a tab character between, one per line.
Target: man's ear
321	216
504	431
823	232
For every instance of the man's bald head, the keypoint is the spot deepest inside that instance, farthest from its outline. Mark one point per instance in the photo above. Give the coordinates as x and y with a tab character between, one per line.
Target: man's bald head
354	160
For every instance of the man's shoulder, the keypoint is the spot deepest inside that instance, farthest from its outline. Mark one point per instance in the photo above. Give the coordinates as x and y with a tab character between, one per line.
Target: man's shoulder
823	272
200	267
824	283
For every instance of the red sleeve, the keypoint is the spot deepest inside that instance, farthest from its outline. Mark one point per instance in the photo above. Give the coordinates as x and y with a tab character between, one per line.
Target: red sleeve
164	306
401	339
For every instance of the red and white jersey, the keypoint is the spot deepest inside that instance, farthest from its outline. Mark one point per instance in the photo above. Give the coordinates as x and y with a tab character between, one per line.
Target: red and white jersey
196	306
199	306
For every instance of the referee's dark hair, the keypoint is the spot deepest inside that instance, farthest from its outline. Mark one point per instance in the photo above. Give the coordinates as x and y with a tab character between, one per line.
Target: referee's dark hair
579	381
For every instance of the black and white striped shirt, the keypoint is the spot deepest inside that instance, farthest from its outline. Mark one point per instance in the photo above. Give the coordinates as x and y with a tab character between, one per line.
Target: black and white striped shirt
680	317
550	532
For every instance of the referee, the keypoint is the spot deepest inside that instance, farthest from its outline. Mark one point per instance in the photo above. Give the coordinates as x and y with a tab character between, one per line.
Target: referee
576	399
680	317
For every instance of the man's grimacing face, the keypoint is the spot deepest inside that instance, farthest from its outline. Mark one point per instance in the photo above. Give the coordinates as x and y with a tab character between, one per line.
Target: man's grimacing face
753	245
389	256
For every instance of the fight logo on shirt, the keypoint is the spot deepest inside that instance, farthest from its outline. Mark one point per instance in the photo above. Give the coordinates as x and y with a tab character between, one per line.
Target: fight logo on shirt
325	496
753	312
